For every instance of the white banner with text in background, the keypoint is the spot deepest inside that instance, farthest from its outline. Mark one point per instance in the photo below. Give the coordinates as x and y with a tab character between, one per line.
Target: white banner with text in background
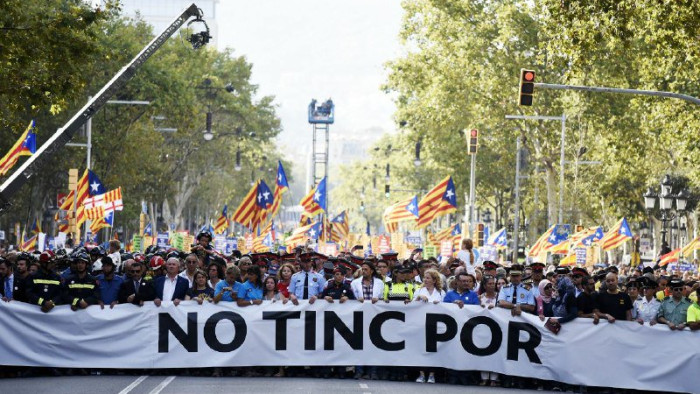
426	335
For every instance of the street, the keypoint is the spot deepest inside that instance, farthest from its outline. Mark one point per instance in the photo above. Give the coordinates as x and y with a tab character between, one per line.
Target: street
189	384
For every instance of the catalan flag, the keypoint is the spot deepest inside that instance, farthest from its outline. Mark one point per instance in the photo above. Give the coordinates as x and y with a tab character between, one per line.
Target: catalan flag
341	227
456	236
266	235
281	186
95	213
542	242
246	211
25	146
499	239
670	257
616	236
28	245
299	235
591	235
693	245
222	222
312	201
102	222
36	227
440	200
402	210
444	234
88	185
263	203
568	261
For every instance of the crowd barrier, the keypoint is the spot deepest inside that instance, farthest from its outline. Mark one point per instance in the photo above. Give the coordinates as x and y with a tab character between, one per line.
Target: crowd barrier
621	355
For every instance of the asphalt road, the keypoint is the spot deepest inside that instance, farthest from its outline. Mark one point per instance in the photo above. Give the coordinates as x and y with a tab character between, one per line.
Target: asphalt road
127	384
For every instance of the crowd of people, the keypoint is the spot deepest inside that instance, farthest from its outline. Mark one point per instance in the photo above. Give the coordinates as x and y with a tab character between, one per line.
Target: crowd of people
94	277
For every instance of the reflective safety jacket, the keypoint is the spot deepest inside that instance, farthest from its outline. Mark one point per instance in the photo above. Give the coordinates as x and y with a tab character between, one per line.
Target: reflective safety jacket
43	287
76	289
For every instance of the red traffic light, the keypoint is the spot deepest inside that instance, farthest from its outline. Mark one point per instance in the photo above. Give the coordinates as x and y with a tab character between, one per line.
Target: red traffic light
474	133
529	76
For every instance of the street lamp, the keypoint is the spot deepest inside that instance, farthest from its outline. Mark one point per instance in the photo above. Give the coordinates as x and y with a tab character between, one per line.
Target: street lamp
666	199
207	133
487	216
237	167
417	162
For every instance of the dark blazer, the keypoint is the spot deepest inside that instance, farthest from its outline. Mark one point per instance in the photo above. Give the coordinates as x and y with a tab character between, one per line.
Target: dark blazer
181	287
146	291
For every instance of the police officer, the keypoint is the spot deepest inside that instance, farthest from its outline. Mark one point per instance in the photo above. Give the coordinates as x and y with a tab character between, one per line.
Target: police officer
80	289
44	287
515	296
400	288
306	284
338	289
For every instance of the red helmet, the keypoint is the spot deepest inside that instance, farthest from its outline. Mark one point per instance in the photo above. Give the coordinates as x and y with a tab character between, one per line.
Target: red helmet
47	255
157	262
139	257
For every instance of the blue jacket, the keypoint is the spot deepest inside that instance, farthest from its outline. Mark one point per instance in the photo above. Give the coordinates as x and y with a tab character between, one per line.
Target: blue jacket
181	287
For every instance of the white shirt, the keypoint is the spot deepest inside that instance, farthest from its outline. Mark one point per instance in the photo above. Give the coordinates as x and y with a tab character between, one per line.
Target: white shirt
437	295
184	275
466	257
169	288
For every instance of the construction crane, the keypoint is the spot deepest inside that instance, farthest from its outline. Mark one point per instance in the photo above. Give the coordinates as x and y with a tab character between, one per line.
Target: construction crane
64	134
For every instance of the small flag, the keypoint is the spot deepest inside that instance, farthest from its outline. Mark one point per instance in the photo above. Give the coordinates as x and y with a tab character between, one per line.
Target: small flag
439	201
617	235
25	146
499	239
222	222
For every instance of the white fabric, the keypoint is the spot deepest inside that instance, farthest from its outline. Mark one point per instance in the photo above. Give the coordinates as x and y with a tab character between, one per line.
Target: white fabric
84	339
169	288
377	288
465	257
437	295
184	275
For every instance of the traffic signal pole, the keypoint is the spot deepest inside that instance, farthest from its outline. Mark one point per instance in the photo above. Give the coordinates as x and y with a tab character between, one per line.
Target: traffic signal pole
472	197
516	219
600	89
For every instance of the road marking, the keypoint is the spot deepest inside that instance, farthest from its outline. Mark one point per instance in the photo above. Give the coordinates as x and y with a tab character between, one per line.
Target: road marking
133	384
162	385
363	386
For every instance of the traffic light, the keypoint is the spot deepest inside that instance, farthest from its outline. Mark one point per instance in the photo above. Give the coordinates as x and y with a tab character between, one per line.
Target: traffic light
473	141
527	87
387	191
480	235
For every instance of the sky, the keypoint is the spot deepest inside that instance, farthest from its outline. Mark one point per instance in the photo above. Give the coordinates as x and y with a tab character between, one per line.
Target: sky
304	49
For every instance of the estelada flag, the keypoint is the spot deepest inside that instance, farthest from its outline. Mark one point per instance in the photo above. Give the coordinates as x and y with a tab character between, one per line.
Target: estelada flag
25	146
439	201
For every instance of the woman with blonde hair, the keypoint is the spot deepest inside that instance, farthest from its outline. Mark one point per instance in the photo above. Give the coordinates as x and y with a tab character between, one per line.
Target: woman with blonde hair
431	292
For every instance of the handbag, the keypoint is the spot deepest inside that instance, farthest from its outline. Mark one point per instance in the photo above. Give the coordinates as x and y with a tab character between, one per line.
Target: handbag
553	326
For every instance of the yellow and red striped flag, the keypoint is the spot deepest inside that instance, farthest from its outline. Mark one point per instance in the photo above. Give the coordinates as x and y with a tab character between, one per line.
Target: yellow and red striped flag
440	200
670	257
691	247
616	236
25	146
542	242
222	222
82	194
246	212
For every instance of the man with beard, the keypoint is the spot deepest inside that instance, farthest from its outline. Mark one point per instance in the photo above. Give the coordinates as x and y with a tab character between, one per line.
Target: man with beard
19	292
109	283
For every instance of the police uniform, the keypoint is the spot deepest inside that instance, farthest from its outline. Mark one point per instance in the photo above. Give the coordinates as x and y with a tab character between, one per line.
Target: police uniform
337	291
399	291
312	281
76	289
516	294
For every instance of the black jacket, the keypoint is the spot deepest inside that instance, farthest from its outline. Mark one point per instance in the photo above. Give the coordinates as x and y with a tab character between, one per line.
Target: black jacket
146	291
76	289
42	287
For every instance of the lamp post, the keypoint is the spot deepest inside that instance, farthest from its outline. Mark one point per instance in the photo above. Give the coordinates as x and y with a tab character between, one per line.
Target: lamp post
417	162
666	198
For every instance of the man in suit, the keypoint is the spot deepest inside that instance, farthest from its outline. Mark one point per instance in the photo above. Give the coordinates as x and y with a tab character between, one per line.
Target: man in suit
136	290
171	287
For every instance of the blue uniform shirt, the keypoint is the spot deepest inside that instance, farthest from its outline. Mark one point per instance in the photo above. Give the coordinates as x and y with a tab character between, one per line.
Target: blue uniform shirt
109	289
227	296
524	295
316	284
469	297
249	292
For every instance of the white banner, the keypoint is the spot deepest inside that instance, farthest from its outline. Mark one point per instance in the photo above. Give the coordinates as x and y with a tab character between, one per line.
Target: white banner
442	335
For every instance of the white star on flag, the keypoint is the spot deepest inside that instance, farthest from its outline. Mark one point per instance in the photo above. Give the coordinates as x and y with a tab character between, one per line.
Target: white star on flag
266	195
279	178
552	238
410	207
449	193
317	196
94	186
259	197
312	233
